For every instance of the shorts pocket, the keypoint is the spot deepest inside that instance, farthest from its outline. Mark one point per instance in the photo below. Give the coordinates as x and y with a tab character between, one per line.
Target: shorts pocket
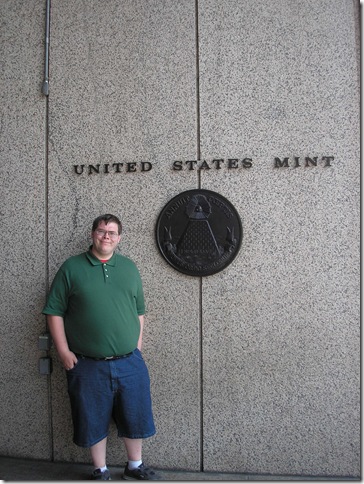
138	354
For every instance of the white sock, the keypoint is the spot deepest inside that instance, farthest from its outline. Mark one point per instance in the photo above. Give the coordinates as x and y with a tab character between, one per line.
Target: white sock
133	464
102	469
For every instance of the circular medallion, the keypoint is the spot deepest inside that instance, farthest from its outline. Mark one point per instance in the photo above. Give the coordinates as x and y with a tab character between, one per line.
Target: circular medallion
199	232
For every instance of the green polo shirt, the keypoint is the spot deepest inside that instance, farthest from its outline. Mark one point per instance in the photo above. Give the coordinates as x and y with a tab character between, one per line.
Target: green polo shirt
100	303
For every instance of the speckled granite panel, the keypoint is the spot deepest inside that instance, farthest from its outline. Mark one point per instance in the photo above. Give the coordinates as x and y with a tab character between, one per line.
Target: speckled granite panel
24	399
281	323
122	100
278	83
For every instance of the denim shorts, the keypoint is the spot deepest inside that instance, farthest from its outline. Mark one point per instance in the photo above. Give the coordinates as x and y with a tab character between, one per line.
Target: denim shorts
113	389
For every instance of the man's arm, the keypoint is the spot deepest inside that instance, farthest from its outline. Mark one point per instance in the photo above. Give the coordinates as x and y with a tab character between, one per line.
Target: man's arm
56	327
140	340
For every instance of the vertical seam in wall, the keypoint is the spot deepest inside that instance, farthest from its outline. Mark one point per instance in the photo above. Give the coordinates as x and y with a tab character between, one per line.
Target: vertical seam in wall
198	140
357	18
201	387
46	192
51	434
198	153
46	239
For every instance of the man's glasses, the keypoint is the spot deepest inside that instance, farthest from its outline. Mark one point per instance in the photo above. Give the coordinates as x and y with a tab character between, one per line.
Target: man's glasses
102	233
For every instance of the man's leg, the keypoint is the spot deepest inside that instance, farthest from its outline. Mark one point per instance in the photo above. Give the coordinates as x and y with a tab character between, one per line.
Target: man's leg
135	469
133	448
98	453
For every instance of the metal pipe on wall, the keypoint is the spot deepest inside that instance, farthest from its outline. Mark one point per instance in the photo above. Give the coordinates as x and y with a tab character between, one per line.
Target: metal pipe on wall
45	86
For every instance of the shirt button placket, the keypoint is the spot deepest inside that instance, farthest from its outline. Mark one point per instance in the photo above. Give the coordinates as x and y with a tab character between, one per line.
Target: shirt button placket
105	273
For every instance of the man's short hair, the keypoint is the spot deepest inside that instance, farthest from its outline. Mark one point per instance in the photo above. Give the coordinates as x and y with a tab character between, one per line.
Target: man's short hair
107	218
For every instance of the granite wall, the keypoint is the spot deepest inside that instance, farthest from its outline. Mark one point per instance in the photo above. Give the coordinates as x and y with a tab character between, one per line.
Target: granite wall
24	403
256	368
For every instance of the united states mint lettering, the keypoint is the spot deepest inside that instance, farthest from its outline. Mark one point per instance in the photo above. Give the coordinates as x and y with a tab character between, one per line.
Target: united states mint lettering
216	164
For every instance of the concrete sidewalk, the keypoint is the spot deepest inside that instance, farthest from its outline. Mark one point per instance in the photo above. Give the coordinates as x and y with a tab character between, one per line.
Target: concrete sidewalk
13	469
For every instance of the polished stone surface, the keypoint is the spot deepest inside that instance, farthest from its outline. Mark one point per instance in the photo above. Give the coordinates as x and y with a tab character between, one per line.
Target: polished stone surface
254	370
24	410
281	324
128	96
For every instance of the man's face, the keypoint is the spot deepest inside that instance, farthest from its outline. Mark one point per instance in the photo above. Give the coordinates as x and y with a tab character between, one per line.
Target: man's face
105	239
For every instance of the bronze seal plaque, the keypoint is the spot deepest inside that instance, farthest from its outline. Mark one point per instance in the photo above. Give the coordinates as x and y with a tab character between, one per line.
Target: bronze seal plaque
199	232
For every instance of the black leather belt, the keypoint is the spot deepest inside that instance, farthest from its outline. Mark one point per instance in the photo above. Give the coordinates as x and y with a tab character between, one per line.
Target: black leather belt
106	358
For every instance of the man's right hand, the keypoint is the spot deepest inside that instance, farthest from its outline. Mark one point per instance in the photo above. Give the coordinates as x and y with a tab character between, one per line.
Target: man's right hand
68	359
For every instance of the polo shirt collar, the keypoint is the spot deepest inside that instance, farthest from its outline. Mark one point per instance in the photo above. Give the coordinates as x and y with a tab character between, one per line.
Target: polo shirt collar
96	262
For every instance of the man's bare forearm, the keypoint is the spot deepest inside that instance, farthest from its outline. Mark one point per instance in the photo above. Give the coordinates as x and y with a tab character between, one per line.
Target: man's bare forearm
56	328
140	340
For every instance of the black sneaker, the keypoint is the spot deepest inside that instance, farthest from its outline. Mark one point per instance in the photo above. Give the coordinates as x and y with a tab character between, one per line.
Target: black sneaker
142	473
99	475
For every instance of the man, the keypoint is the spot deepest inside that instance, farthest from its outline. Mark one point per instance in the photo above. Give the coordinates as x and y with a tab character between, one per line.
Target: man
95	312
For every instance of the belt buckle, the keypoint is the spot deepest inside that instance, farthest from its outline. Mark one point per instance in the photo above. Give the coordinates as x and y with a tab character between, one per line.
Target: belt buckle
109	358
